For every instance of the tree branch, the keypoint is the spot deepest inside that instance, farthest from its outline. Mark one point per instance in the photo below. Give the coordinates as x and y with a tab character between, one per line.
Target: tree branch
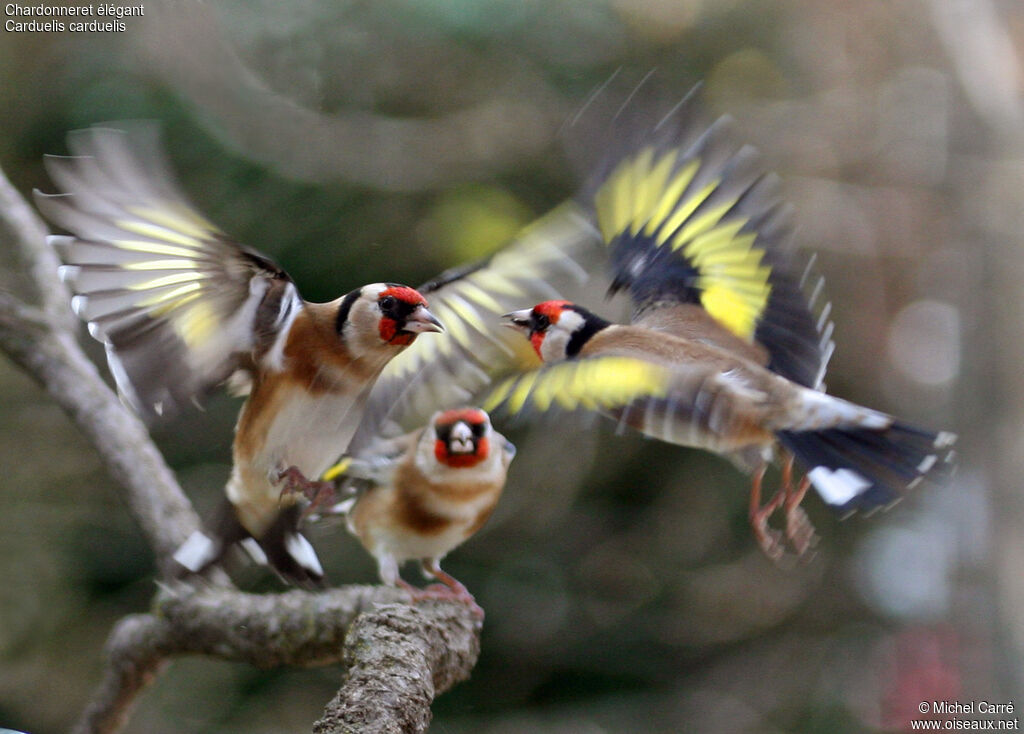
134	660
54	359
28	235
400	657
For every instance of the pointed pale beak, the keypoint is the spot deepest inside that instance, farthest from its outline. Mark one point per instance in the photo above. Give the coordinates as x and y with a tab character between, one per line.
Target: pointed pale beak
421	320
461	439
518	320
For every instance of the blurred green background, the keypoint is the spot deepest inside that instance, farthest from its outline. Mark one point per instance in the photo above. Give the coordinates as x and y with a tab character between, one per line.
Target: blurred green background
362	141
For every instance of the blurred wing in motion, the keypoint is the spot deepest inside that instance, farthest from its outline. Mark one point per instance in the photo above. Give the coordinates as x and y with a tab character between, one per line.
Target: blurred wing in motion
554	257
595	383
695	226
691	405
177	304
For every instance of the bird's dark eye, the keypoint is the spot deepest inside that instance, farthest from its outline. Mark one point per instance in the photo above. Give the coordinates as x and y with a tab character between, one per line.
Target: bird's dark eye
387	303
540	322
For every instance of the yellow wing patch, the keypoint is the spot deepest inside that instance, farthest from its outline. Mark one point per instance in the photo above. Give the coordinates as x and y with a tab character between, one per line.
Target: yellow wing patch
176	218
597	383
337	470
647	196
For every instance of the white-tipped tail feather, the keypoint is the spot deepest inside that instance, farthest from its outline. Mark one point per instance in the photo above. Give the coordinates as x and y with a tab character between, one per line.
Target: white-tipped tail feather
301	551
865	468
837	486
198	552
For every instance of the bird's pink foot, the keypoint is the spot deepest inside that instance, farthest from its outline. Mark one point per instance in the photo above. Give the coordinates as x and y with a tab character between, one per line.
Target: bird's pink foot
799	529
799	532
768	539
450	589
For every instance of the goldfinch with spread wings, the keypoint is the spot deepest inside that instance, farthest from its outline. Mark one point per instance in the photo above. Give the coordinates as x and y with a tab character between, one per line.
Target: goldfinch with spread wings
727	348
180	308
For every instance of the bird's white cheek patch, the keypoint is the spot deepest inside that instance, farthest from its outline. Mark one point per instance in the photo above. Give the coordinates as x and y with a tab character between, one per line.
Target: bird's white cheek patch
291	304
837	487
552	349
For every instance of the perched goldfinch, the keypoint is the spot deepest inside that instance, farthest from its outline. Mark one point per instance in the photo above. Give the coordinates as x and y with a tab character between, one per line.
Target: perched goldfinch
180	308
428	491
726	349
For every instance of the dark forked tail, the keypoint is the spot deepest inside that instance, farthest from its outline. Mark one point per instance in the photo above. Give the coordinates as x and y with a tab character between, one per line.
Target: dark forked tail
865	469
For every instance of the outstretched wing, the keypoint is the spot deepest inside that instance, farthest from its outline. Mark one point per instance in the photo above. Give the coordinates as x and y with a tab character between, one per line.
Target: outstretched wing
554	257
688	404
691	219
177	304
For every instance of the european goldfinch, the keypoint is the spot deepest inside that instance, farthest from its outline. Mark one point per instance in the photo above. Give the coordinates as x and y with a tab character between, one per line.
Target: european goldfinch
425	493
181	308
727	346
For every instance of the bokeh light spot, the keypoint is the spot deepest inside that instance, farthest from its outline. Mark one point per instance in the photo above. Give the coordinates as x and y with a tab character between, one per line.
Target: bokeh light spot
924	342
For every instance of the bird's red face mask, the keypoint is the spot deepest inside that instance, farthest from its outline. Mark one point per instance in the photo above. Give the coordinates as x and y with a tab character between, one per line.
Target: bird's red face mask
404	315
461	437
536	322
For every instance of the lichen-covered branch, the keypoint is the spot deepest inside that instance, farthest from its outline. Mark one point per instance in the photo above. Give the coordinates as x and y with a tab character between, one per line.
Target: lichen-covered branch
400	657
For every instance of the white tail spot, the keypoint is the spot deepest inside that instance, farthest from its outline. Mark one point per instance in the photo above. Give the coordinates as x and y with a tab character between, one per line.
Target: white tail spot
839	486
196	552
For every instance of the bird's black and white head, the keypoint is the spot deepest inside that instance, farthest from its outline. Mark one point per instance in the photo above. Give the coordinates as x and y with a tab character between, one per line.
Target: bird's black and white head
383	316
462	437
556	329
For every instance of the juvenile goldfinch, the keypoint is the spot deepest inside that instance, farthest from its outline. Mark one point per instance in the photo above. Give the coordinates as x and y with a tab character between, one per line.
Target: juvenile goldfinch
727	347
428	492
181	308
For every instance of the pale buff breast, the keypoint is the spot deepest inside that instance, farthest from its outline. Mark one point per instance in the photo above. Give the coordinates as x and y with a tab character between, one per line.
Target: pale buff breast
415	518
284	424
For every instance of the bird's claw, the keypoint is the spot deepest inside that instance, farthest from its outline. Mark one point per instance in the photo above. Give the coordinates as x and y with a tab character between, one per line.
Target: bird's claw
319	493
799	532
770	540
444	592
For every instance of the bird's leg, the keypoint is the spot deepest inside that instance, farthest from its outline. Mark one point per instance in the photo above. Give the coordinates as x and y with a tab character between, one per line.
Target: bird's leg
293	481
799	529
769	540
451	590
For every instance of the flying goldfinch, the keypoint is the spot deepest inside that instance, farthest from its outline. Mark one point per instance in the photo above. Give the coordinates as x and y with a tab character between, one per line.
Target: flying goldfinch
181	308
727	346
